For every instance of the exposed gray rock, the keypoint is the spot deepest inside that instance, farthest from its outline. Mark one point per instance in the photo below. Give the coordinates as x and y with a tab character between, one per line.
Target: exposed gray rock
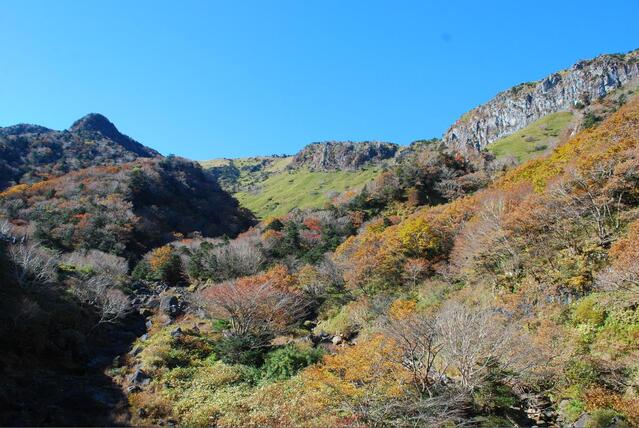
138	377
521	105
169	305
135	351
145	312
331	156
132	388
583	421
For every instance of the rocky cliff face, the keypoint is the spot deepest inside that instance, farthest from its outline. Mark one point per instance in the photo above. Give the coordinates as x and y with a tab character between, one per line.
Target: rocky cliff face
521	105
332	156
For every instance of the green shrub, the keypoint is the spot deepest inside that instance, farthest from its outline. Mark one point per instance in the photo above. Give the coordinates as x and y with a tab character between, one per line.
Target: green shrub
493	421
285	362
494	394
588	311
247	350
604	418
591	120
581	373
142	271
162	350
345	322
572	410
161	264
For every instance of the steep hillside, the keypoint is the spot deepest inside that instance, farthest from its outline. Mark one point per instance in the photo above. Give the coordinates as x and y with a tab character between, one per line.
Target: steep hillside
124	209
534	139
29	153
273	185
444	288
518	107
301	188
510	304
242	174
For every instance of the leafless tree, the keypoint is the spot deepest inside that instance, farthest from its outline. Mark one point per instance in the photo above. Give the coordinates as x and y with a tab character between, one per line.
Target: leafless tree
485	240
448	184
5	228
99	292
445	408
32	263
619	278
419	343
414	269
584	195
114	306
100	262
472	340
331	272
240	257
329	277
441	410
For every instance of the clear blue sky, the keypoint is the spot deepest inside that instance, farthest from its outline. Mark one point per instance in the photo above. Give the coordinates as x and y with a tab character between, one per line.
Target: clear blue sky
206	79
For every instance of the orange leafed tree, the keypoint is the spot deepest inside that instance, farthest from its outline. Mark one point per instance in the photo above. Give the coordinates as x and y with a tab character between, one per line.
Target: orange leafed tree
259	308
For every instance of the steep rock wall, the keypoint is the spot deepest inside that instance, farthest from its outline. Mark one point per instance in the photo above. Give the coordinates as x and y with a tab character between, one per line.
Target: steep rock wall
521	105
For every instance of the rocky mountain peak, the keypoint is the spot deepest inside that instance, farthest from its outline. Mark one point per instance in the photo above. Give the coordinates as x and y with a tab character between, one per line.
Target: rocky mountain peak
95	122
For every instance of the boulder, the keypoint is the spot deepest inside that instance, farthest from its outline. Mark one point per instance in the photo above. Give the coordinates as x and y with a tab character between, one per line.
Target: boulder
583	421
169	305
135	351
152	302
146	312
138	377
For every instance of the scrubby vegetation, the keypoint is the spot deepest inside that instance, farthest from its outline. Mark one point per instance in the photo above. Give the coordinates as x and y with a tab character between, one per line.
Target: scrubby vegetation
62	319
123	209
501	304
444	289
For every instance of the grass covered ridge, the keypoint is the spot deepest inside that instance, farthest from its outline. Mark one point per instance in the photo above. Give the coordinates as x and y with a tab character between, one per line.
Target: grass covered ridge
282	192
534	139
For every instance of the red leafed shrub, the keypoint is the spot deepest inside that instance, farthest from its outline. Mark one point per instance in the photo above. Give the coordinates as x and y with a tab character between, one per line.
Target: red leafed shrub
260	308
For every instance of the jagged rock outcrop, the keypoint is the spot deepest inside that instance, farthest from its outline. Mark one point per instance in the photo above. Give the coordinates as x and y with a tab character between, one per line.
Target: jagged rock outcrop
332	156
521	105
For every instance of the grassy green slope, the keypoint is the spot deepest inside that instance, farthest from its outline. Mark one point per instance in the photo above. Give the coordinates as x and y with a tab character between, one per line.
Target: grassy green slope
282	192
534	139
